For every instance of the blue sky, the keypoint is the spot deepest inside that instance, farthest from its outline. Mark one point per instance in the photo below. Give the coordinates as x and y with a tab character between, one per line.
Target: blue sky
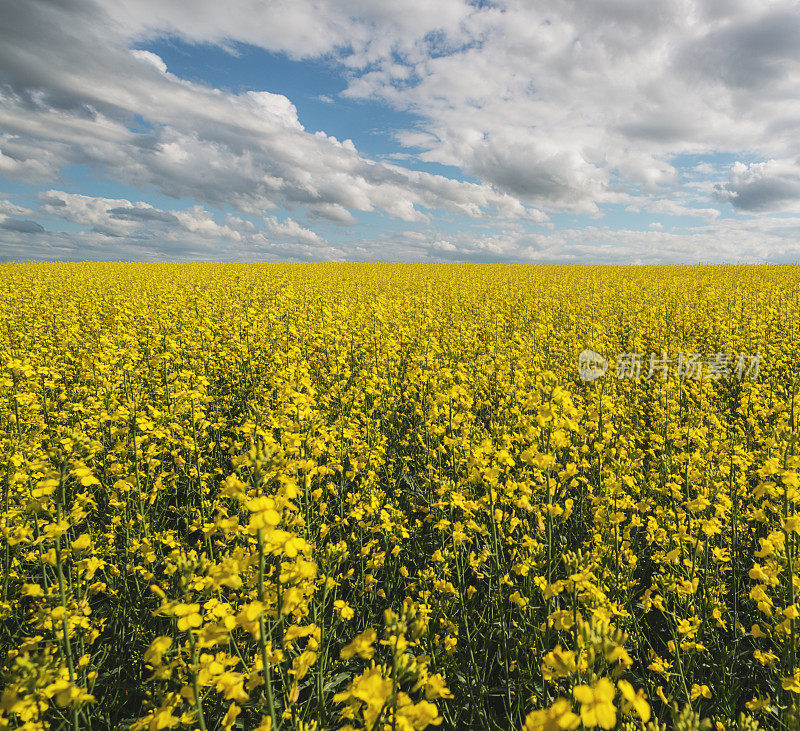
615	132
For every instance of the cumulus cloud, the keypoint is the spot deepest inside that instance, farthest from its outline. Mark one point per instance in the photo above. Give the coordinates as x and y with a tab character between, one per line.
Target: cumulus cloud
757	49
333	212
773	185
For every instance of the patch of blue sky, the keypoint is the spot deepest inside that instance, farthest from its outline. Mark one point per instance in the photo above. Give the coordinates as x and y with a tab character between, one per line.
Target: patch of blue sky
561	221
140	125
411	161
19	192
617	218
378	225
719	161
59	225
437	44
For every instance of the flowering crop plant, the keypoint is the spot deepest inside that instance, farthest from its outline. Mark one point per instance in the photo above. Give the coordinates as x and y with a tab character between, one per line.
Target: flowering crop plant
381	496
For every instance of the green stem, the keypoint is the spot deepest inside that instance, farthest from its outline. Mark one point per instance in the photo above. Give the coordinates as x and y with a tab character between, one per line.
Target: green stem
266	669
198	703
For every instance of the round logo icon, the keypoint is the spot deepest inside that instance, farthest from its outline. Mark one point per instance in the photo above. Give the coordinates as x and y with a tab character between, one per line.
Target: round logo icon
591	365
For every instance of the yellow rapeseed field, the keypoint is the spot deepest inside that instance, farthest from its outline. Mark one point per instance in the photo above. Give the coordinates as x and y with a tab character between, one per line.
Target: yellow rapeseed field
367	496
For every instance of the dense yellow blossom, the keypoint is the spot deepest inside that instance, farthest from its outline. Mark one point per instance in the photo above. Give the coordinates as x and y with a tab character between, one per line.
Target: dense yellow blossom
333	496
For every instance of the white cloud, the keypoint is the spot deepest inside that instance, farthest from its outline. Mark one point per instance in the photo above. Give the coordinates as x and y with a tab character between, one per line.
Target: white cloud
12	209
773	186
292	230
301	28
151	58
333	212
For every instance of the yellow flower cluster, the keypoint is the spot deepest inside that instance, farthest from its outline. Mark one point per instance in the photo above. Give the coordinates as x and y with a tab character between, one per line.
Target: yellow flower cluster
340	496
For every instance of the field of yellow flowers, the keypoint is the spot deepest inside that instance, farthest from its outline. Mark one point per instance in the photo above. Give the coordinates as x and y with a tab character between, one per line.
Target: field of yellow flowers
362	496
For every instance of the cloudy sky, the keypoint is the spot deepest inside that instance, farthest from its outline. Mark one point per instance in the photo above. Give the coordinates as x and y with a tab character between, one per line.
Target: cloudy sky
608	131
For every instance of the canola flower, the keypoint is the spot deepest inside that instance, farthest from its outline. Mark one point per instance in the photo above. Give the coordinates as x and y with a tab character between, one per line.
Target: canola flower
340	496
